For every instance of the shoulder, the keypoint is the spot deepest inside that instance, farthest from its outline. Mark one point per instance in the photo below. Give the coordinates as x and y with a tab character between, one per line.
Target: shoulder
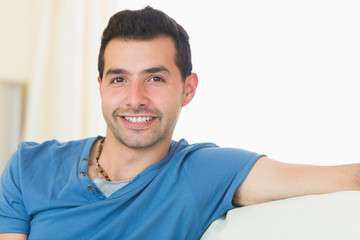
28	146
31	149
33	154
183	147
210	153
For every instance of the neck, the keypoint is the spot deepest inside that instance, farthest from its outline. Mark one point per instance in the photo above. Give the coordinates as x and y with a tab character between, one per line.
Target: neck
121	162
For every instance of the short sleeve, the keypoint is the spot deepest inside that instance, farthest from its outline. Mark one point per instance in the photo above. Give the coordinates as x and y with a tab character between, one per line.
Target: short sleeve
214	174
13	216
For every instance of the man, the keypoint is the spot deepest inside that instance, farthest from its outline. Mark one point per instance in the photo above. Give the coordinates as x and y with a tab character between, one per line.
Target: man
136	183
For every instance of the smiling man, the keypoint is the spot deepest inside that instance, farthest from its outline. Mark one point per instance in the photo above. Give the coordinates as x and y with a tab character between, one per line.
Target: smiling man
136	182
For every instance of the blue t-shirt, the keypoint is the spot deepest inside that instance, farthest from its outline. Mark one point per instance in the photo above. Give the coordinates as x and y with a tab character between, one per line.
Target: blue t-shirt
45	192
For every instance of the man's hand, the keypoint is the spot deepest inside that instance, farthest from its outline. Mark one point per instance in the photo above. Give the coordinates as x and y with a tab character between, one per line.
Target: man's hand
272	180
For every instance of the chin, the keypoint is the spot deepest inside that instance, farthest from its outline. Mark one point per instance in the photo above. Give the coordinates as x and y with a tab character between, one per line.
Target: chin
139	143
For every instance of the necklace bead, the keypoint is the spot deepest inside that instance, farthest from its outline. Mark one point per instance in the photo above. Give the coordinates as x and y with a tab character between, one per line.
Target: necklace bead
98	166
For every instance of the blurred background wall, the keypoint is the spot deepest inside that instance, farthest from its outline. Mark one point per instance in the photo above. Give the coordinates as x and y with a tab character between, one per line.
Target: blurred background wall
277	77
48	70
16	54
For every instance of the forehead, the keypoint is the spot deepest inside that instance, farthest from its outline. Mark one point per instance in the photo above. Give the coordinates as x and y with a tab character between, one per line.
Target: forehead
139	54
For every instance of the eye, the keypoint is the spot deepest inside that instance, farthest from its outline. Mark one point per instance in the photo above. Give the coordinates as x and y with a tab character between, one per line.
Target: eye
156	79
118	80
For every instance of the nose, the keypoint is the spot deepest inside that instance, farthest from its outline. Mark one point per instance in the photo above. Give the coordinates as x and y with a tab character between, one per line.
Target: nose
136	95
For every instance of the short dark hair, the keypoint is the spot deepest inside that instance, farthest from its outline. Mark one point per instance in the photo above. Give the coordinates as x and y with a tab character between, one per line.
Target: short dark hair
147	24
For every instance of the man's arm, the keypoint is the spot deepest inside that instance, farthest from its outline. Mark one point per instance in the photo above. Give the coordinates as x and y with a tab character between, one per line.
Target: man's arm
12	236
272	180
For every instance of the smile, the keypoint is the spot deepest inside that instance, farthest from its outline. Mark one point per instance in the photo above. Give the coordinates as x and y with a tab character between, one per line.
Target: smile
138	119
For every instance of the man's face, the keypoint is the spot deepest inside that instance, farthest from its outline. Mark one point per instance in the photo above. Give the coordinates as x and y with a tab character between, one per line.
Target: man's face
142	91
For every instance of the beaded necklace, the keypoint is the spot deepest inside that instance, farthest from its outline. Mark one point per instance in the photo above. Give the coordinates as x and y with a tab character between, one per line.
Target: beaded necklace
99	168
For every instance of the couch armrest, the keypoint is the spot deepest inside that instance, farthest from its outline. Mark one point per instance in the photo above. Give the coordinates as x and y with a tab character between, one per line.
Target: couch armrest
325	216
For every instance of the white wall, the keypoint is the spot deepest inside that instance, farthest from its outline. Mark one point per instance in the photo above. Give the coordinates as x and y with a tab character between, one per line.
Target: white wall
276	77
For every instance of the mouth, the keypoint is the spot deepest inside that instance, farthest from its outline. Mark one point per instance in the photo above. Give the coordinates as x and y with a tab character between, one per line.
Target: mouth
140	119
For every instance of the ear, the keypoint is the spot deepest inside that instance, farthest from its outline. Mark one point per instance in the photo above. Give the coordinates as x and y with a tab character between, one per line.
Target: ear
191	83
99	81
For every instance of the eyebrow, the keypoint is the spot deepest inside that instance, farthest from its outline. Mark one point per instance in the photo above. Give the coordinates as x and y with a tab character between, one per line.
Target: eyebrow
116	71
156	70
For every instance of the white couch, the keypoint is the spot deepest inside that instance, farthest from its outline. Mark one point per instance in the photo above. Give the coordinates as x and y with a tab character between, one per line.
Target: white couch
326	216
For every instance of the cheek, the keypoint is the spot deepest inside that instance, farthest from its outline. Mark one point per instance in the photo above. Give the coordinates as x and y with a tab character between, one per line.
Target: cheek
170	103
110	100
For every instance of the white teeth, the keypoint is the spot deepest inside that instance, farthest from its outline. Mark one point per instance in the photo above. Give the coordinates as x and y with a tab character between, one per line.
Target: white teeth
138	119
